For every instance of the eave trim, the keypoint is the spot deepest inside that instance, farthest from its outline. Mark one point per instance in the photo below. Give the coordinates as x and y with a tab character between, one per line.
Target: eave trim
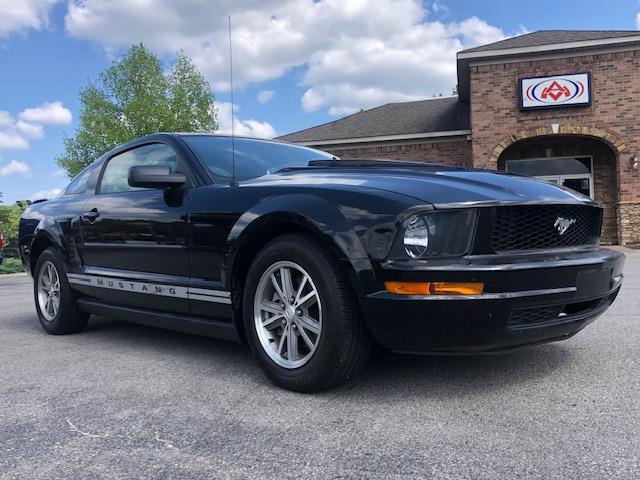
386	138
547	48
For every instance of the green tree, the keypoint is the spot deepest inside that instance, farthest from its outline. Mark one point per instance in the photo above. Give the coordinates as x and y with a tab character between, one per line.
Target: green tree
134	97
9	220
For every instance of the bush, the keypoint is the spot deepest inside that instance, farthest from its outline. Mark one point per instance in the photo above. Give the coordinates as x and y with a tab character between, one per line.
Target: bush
10	265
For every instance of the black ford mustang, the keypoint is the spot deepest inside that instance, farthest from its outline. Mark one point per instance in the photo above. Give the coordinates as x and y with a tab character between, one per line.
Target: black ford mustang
312	259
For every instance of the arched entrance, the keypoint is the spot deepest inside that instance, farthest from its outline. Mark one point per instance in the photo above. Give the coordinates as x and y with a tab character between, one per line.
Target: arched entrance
584	163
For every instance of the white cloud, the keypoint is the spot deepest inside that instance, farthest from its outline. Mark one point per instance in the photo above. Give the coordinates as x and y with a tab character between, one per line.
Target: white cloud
438	7
245	128
638	20
42	194
15	168
264	96
353	54
30	130
474	31
15	135
12	141
53	113
18	15
6	119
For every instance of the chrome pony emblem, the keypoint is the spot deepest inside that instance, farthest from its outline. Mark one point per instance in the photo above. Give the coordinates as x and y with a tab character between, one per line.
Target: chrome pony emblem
563	224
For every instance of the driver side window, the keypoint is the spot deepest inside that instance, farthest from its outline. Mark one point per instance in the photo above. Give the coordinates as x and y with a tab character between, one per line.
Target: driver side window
115	176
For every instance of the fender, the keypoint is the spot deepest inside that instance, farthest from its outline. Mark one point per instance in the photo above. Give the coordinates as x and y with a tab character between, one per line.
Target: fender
48	232
311	212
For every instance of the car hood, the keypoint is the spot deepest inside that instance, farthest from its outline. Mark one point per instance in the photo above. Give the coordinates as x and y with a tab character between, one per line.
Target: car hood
441	188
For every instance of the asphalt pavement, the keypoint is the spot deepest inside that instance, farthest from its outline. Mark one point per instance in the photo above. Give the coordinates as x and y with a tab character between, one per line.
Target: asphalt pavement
125	401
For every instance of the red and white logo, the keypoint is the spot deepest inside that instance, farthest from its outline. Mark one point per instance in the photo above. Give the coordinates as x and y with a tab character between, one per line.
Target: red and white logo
555	91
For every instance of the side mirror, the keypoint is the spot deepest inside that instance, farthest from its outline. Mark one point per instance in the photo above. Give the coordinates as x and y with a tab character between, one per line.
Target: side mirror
154	176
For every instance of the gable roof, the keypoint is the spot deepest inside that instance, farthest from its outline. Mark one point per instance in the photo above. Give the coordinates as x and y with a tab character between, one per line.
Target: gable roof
541	43
550	37
441	114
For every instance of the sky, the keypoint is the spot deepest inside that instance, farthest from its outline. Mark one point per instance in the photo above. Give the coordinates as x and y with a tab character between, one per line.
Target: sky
297	63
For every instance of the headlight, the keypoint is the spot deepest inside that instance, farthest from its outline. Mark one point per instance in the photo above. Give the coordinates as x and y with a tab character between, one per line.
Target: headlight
445	233
416	237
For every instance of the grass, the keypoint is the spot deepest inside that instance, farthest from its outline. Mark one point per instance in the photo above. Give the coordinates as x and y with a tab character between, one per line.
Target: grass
11	265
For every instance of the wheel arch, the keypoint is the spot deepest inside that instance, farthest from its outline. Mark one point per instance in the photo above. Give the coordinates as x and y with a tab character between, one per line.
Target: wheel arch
313	216
47	234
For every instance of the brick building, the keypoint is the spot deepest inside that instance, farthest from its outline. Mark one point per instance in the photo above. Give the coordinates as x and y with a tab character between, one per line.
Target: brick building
563	106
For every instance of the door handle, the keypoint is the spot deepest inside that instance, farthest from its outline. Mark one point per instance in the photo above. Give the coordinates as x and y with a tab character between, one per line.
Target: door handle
91	215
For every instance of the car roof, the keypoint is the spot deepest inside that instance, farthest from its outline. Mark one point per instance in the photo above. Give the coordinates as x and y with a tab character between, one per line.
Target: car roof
179	135
223	135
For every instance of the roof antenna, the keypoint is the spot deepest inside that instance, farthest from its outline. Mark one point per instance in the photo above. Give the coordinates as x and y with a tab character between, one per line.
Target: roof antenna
234	183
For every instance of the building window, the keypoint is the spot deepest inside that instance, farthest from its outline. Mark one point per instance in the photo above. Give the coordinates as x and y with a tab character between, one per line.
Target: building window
575	173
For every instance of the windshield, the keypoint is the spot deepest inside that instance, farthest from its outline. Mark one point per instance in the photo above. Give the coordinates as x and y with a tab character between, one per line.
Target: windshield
254	158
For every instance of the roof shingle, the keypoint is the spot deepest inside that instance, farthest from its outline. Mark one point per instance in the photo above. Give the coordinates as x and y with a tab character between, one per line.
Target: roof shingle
422	116
550	37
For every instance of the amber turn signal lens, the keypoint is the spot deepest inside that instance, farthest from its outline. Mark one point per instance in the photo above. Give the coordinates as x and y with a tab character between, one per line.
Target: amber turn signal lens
408	288
435	288
456	288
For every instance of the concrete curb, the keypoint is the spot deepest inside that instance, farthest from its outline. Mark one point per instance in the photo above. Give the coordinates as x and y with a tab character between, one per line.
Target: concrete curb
19	274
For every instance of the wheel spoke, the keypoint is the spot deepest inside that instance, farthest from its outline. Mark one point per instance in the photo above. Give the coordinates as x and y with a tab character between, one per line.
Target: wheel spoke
306	339
282	340
271	307
270	323
303	283
287	286
308	300
308	323
277	288
292	344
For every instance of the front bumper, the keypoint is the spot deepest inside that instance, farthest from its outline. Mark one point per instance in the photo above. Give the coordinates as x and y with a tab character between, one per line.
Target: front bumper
527	300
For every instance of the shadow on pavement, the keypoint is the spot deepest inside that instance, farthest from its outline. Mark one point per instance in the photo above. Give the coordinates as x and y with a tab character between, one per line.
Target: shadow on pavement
442	376
386	375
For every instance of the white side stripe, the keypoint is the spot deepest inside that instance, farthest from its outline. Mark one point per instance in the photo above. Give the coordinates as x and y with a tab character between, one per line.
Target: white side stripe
208	298
201	294
206	291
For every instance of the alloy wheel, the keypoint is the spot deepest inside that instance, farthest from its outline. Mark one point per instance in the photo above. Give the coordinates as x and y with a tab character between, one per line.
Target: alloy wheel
48	291
288	314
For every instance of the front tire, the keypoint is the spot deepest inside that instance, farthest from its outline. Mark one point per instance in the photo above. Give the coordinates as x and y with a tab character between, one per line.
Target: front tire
302	322
55	301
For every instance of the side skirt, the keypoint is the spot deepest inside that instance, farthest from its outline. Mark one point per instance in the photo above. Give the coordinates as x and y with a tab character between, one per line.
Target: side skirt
169	321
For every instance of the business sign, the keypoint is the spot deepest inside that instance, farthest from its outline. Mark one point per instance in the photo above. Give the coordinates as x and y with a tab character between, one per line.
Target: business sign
557	91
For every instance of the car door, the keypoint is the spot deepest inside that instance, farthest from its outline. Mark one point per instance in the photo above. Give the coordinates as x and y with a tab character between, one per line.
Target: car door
134	240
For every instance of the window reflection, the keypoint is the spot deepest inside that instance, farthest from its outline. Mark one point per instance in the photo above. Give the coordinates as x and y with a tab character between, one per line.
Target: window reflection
115	177
254	158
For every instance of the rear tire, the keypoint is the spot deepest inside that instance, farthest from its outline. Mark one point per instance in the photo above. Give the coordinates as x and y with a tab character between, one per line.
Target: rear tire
56	304
325	332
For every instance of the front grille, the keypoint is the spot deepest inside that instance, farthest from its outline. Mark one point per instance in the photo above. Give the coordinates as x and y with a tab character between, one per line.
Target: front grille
537	316
534	315
531	227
